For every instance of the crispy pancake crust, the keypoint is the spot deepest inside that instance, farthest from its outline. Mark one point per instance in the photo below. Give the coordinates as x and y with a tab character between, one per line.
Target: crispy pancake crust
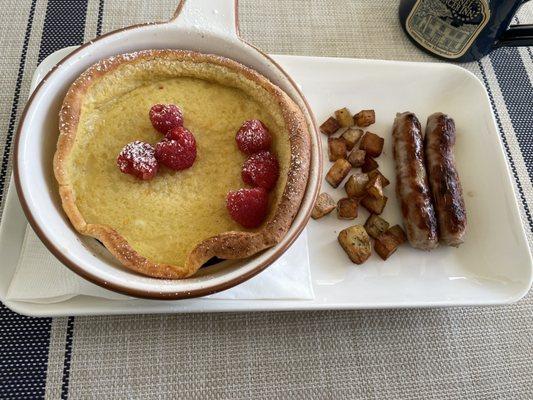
227	245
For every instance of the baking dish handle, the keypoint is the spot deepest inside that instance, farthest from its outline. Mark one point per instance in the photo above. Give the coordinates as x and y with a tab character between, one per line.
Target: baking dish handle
218	16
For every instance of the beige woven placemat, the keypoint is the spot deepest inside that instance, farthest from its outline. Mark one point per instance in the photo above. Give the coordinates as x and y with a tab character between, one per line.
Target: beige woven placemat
471	353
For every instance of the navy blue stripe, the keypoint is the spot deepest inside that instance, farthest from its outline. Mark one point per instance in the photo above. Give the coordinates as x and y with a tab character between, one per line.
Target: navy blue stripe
68	357
23	341
64	25
100	18
506	146
518	95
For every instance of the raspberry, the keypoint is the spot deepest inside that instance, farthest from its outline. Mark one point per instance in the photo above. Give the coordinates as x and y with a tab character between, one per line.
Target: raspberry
138	159
261	170
253	136
179	152
248	207
164	117
180	133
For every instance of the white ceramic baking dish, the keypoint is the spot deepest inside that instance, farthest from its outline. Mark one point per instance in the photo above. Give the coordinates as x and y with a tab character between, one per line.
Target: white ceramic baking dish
207	26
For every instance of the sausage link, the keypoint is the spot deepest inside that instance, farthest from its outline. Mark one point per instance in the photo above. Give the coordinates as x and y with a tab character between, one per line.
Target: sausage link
444	180
411	183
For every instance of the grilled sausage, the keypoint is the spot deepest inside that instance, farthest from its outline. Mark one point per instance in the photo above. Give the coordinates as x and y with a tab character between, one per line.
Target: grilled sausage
411	182
444	180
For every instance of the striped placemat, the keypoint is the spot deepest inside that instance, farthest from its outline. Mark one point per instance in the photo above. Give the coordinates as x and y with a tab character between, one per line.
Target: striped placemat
415	354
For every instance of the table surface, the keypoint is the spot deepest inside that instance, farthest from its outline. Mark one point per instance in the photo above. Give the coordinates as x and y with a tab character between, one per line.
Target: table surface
426	353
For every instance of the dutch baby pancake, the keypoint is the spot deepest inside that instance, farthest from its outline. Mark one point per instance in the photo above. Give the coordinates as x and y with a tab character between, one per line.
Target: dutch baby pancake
164	201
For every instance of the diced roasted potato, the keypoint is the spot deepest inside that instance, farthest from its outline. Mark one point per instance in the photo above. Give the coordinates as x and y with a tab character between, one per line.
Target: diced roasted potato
338	172
374	186
351	136
336	148
369	165
357	158
375	226
374	205
347	208
384	181
344	117
324	205
364	118
330	126
372	144
356	243
356	185
398	232
386	244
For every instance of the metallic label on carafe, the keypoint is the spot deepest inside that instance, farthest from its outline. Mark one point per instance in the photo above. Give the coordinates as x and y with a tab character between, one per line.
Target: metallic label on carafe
447	27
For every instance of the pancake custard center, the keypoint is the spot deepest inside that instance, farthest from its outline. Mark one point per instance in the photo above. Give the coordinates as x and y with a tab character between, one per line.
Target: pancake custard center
165	217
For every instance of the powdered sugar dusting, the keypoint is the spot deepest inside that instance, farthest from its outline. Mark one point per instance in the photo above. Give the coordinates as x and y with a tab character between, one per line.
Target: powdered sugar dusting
253	136
165	117
139	152
138	158
261	169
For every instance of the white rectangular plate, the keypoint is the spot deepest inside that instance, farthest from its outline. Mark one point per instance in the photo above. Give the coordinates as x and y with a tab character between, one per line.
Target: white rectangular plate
493	266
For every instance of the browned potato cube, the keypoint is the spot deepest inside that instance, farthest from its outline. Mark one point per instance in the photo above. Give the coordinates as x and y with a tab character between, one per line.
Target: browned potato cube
347	208
357	158
374	205
375	226
384	181
369	165
386	244
351	136
372	144
338	172
344	117
324	205
330	126
336	149
398	232
356	185
364	118
356	243
374	187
